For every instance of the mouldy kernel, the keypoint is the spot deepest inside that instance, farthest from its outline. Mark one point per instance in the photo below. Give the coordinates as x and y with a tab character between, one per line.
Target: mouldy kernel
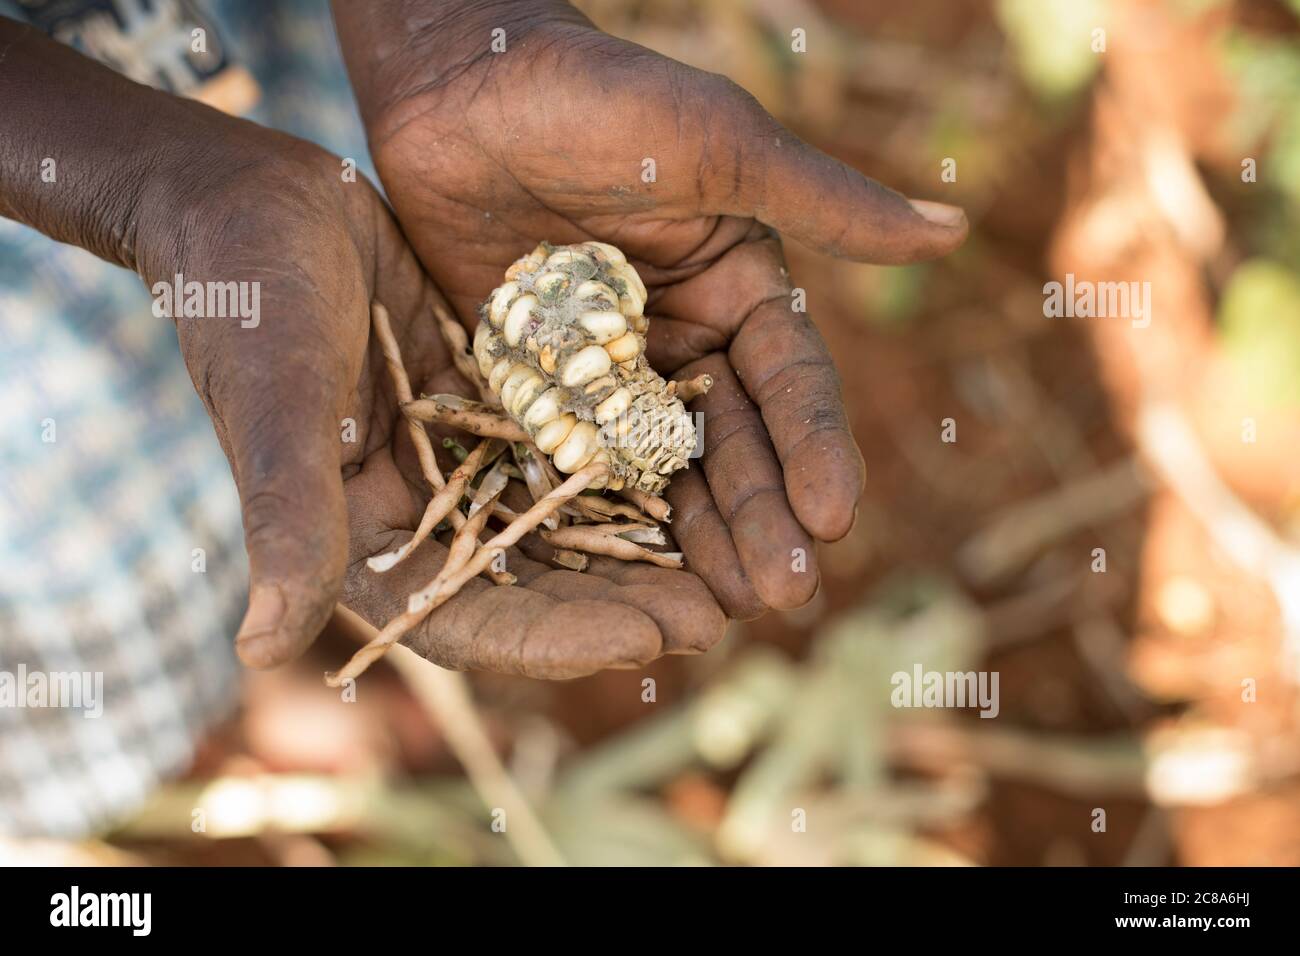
562	343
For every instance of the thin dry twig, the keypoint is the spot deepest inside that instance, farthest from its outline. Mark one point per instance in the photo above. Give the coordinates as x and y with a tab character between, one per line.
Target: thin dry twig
462	546
691	388
419	437
473	417
464	562
450	579
589	507
490	488
538	479
652	505
440	505
402	386
582	538
447	699
453	333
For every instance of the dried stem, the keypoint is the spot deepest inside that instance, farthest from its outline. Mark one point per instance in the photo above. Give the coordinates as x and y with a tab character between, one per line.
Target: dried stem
447	698
536	477
451	579
473	417
640	533
504	512
440	505
490	488
601	510
652	505
402	386
582	538
453	333
690	388
464	562
462	546
419	437
464	541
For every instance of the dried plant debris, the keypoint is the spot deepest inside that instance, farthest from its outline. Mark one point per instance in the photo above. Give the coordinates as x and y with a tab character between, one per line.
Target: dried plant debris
561	346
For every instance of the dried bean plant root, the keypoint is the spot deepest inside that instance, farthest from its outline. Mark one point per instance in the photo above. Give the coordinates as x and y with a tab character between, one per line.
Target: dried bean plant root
569	407
473	417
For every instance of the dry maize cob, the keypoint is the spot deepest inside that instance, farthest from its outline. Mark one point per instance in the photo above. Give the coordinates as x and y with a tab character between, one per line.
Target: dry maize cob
562	343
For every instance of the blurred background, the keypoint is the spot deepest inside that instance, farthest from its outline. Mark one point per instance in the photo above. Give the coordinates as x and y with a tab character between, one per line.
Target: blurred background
1161	690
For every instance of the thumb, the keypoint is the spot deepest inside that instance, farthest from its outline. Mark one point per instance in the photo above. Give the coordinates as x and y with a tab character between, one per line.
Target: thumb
283	444
804	193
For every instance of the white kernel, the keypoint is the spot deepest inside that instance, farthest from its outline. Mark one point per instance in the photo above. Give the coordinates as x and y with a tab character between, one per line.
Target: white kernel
520	374
546	408
501	300
614	406
603	326
517	319
577	449
593	289
549	281
585	365
550	435
497	377
607	252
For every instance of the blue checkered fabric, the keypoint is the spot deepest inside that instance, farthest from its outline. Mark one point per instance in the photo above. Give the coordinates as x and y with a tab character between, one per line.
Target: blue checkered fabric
121	551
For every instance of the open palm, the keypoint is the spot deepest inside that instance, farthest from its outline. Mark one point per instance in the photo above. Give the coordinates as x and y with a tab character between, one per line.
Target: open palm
327	473
570	135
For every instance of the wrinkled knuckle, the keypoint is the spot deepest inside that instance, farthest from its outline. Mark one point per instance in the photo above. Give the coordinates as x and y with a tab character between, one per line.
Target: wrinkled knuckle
827	441
811	379
731	428
754	498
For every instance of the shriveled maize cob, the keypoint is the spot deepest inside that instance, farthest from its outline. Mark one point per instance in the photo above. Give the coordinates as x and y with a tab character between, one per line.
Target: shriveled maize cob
562	344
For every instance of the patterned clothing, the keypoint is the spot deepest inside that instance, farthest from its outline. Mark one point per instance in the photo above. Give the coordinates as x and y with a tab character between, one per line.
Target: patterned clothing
121	551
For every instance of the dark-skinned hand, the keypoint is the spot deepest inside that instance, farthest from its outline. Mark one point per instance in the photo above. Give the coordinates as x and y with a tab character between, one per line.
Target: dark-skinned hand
167	186
484	153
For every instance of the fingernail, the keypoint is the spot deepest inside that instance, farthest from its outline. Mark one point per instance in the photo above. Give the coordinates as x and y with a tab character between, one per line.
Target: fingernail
941	214
265	611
